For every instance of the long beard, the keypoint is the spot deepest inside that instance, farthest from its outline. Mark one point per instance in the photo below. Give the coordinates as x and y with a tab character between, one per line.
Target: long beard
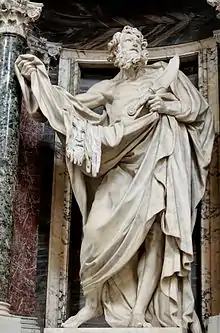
128	59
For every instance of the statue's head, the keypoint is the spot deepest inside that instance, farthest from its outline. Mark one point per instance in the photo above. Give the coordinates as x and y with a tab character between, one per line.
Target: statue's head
216	4
128	48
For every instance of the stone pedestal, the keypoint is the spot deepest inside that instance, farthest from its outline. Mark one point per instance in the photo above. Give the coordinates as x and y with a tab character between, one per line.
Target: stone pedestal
15	324
29	325
116	330
214	324
8	323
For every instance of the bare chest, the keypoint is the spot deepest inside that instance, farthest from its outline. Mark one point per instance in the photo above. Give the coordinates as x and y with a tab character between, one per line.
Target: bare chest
127	94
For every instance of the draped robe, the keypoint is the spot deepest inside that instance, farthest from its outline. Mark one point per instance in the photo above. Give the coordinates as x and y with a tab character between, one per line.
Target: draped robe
151	180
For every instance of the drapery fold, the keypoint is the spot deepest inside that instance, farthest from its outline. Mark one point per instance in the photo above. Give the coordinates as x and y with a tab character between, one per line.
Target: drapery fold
152	177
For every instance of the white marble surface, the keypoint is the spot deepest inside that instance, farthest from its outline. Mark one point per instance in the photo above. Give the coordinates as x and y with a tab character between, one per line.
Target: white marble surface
210	232
16	324
105	263
10	324
15	17
205	50
214	324
59	242
29	325
116	330
60	223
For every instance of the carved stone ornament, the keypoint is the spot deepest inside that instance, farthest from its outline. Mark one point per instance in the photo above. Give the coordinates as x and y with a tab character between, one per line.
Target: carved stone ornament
216	4
216	34
43	48
53	49
15	15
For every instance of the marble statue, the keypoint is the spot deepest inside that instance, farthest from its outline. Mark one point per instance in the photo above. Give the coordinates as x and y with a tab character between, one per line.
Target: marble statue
138	172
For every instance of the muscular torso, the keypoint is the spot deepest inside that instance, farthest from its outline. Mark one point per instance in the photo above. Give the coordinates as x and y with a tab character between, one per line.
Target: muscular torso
121	95
126	93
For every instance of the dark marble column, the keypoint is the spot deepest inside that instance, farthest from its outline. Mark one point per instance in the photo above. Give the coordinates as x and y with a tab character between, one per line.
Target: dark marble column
14	19
11	45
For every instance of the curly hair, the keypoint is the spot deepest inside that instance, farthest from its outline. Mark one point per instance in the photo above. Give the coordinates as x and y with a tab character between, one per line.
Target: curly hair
114	43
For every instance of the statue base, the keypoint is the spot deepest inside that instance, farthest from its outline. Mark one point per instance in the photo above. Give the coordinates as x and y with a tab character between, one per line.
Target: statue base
214	324
116	330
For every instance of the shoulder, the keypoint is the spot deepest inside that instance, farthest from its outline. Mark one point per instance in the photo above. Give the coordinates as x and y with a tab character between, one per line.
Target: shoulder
156	66
101	86
155	69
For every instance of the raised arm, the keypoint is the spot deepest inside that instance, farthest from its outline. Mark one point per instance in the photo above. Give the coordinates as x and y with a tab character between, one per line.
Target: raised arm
98	95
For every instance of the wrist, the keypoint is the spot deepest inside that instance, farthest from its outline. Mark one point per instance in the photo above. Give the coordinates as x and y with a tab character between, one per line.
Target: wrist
172	108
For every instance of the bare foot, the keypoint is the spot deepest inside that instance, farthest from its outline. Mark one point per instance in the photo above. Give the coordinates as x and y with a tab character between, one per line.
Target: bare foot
138	320
85	314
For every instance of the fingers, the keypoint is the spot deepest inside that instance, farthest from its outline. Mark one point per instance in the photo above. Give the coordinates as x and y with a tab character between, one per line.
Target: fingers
154	109
153	99
26	67
21	64
24	58
156	104
68	321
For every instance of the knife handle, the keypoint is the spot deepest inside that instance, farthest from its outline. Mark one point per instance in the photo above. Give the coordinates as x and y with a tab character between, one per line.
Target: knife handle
137	105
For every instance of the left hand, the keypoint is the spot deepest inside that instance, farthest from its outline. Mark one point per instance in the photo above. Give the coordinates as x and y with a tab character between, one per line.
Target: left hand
156	104
26	64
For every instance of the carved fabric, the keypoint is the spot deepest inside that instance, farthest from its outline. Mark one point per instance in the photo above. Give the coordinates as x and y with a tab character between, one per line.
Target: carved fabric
153	173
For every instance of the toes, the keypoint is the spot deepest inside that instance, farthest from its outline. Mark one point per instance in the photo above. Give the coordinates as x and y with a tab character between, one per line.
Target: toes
69	322
139	322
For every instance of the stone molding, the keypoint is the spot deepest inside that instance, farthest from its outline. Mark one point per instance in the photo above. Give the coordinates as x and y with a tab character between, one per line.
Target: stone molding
8	322
117	330
29	325
43	48
16	15
16	324
4	309
216	5
216	34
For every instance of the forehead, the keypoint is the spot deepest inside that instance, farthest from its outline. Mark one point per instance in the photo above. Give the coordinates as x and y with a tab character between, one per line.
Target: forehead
131	34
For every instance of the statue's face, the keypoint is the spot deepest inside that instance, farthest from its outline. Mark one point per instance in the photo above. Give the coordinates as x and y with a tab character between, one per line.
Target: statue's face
128	49
130	44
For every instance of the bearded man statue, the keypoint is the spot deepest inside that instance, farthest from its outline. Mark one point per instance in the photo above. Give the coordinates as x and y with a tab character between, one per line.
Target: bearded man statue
149	152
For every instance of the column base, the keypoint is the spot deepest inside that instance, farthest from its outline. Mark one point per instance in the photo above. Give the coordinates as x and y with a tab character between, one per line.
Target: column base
8	322
29	325
15	324
116	330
